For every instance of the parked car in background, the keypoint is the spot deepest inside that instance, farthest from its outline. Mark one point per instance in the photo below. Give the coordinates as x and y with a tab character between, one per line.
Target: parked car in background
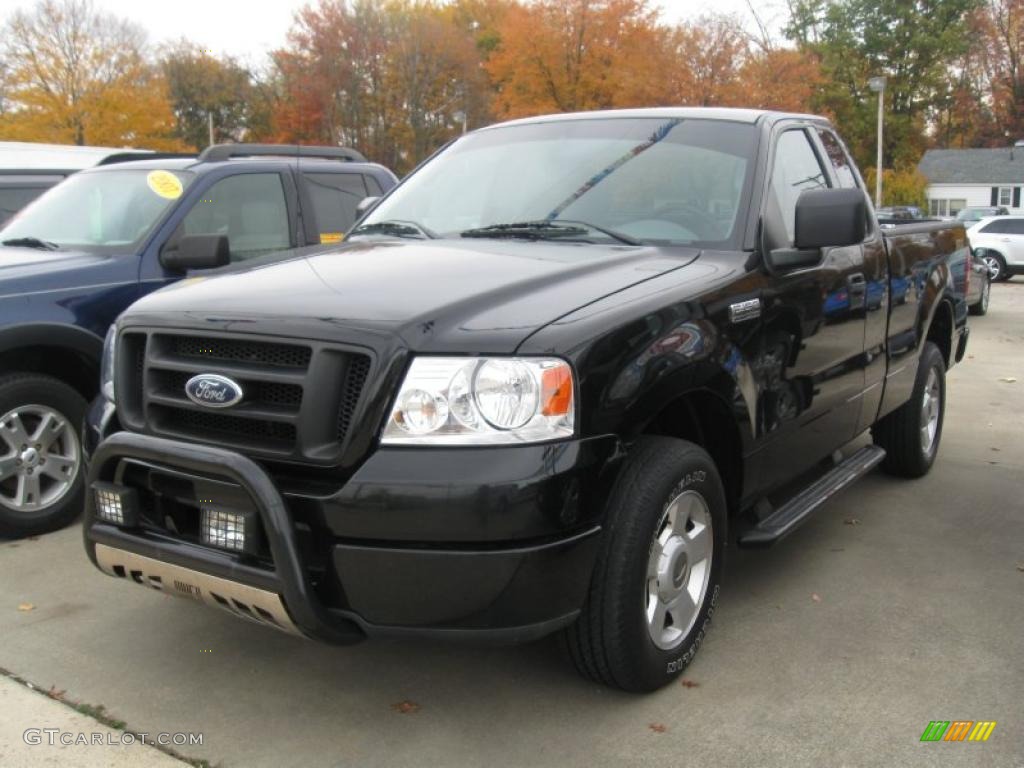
976	213
999	243
979	286
27	170
78	255
900	213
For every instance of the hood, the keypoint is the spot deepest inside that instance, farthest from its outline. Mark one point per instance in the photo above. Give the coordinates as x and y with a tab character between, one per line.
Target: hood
451	295
17	263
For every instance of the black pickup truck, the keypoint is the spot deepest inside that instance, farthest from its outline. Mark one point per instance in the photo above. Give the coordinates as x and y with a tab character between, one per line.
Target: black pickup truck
539	388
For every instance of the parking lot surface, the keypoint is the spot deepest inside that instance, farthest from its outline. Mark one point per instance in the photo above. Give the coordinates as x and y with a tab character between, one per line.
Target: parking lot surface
898	603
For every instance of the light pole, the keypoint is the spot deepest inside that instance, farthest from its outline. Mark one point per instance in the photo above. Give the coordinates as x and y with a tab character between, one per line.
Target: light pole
877	84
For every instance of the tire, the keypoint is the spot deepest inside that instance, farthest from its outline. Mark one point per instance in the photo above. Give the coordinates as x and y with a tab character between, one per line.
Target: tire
41	472
902	432
664	482
996	265
981	308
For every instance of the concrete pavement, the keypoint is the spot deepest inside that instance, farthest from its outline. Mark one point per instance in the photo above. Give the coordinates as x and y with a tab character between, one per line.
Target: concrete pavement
899	603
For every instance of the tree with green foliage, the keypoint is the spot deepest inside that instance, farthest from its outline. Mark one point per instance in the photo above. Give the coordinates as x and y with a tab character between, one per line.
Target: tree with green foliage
200	85
911	42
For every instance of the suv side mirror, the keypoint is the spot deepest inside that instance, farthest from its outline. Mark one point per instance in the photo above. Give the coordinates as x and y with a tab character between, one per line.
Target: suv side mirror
365	205
196	252
830	218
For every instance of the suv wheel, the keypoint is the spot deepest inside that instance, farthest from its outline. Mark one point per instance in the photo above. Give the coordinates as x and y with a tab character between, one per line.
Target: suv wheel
41	474
910	435
657	578
995	264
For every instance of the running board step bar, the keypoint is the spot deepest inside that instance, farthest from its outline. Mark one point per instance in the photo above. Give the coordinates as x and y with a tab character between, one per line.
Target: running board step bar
790	515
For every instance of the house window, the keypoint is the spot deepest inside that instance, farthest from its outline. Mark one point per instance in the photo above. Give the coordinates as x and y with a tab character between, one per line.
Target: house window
941	207
1006	196
955	206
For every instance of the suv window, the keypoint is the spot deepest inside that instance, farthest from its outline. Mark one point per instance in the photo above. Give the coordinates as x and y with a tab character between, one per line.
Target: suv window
840	160
335	197
995	227
1013	226
796	169
249	208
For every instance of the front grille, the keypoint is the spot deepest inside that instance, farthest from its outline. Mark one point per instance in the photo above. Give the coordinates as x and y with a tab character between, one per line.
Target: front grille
243	350
284	385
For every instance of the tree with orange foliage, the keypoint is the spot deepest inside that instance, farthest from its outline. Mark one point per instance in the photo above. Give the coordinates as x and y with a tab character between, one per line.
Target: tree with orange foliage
567	55
76	76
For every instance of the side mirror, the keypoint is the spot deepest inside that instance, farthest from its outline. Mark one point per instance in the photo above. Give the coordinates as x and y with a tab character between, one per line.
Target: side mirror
830	218
196	252
365	205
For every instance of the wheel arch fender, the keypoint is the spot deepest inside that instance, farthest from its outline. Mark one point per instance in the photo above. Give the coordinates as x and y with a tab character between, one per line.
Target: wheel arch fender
66	352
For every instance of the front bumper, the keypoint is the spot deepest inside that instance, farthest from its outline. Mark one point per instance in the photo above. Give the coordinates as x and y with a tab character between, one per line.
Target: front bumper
340	579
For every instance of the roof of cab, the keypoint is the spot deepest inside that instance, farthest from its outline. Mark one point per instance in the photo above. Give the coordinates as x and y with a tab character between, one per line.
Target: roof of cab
736	115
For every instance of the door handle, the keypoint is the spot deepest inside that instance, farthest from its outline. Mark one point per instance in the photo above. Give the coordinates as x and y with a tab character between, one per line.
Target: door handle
858	289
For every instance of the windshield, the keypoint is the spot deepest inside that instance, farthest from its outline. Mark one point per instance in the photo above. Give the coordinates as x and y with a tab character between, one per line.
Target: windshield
106	209
650	180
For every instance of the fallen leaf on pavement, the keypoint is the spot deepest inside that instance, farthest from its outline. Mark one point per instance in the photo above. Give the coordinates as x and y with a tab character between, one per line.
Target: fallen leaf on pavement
54	693
815	597
26	607
657	727
687	683
851	521
1020	567
1009	379
406	707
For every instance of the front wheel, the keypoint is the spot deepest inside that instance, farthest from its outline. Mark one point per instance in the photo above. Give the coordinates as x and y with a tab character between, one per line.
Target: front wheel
996	266
40	454
910	435
656	583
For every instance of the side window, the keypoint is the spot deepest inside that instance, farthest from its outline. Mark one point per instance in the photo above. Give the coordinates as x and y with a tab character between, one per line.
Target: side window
335	197
373	186
796	169
839	159
994	227
249	208
1013	226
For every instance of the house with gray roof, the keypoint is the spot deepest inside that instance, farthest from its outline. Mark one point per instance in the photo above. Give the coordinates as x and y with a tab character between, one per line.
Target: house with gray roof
961	178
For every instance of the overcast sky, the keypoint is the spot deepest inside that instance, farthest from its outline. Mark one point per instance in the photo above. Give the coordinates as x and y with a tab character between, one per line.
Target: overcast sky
249	31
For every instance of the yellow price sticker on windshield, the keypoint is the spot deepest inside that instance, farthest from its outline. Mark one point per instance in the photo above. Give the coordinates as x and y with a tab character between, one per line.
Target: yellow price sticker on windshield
165	184
331	237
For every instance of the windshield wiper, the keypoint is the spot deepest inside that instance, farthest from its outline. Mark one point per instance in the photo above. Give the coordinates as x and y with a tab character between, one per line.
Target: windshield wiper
545	229
396	227
32	242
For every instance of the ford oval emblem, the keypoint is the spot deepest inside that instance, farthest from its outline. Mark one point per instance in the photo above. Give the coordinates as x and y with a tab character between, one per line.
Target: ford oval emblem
213	390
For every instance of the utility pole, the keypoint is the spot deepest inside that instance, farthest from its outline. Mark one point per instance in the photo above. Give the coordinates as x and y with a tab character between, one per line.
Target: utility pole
877	84
209	122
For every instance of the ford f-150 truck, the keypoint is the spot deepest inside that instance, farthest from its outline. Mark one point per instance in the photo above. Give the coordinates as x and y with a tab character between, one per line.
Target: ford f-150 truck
541	386
89	247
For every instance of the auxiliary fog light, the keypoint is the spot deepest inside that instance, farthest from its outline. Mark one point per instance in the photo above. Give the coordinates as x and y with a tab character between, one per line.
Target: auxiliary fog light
230	529
116	504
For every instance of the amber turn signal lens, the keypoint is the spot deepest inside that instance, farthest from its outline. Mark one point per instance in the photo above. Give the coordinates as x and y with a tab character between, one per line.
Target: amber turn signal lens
556	391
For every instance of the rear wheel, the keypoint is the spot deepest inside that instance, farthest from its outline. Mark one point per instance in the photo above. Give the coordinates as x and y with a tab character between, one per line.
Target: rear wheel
40	454
981	307
657	579
910	435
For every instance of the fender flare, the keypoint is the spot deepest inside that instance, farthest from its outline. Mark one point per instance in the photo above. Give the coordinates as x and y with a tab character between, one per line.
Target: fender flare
87	344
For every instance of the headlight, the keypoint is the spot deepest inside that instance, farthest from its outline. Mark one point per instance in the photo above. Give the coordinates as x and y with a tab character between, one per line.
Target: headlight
473	401
107	365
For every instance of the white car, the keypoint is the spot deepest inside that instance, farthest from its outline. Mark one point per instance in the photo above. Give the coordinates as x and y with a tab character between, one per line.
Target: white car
998	241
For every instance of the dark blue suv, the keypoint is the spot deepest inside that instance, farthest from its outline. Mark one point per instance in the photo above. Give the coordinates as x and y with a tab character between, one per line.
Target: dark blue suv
89	247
